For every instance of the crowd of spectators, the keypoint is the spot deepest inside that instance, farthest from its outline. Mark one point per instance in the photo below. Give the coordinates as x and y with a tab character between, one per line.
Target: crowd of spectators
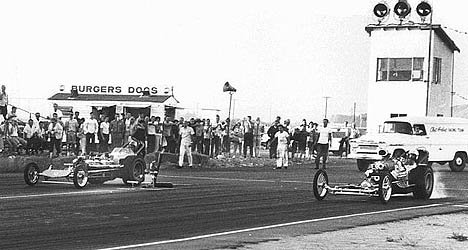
99	133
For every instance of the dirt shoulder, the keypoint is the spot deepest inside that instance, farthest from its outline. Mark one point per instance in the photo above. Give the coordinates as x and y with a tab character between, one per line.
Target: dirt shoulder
448	231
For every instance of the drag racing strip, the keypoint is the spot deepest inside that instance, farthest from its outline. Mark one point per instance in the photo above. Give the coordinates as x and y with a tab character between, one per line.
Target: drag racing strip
273	226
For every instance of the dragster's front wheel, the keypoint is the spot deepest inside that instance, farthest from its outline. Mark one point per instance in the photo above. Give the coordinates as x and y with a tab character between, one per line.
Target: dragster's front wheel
31	174
320	183
80	176
385	188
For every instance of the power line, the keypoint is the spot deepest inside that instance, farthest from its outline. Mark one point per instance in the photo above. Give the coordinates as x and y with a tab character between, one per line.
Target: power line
456	30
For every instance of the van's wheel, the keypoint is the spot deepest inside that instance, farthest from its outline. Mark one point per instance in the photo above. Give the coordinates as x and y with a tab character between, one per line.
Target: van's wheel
424	180
363	165
320	183
135	170
385	188
31	174
458	163
80	176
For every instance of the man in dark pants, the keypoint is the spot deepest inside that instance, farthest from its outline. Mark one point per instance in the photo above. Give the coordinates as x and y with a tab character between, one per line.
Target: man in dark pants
248	135
323	143
272	142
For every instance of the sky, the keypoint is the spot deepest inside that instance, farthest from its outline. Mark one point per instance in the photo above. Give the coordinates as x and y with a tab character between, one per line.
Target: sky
283	57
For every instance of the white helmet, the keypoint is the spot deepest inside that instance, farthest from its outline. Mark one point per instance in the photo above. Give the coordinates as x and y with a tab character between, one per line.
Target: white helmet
413	154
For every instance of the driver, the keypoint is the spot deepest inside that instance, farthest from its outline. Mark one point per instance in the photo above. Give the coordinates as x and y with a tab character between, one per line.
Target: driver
404	166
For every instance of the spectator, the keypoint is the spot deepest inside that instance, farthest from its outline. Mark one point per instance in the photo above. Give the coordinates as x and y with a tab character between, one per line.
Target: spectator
71	128
282	138
324	141
37	119
151	134
42	137
236	138
344	142
216	142
30	133
12	113
104	131
225	138
2	136
90	129
57	111
247	127
217	135
207	137
273	144
198	142
185	133
158	136
81	135
138	133
13	138
168	135
56	133
128	118
301	138
258	131
3	102
117	130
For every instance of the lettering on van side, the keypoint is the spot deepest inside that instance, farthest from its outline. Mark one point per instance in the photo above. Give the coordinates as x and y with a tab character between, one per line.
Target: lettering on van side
446	129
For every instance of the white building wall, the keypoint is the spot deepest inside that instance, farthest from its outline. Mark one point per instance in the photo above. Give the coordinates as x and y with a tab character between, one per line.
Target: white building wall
400	97
440	94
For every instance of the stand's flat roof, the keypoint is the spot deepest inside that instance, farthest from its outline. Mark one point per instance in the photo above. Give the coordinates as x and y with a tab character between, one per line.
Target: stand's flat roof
437	28
117	98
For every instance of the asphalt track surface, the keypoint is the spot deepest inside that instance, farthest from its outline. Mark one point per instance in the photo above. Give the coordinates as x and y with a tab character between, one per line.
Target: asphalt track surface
207	209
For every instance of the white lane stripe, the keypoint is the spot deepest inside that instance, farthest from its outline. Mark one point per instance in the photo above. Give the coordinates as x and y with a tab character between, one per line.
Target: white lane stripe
267	227
466	205
232	179
64	193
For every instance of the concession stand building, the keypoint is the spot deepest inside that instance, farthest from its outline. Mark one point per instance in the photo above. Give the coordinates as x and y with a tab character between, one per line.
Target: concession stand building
110	100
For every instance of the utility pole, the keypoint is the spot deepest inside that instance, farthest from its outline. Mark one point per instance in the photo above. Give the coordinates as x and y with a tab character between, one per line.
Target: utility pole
326	105
354	113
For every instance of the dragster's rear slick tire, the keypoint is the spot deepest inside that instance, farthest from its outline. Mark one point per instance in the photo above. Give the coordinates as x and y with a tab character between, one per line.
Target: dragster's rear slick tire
134	170
424	183
320	181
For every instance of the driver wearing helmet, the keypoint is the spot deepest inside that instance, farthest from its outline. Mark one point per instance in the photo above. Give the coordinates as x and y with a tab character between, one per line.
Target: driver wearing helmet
404	166
410	161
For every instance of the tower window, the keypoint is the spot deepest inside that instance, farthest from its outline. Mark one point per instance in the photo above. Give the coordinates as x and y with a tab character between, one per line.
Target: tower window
437	70
400	69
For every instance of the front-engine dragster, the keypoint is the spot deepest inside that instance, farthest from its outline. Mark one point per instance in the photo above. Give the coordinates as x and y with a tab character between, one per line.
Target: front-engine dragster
397	174
125	162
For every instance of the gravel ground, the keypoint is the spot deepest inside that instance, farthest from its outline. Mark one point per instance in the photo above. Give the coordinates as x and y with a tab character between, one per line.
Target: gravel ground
441	232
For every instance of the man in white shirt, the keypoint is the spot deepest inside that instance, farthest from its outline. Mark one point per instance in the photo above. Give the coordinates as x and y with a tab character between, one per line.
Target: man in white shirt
30	132
323	143
56	111
3	102
185	133
56	134
90	129
282	150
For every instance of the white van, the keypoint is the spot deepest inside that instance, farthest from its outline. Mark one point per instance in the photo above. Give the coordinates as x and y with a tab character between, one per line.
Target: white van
445	138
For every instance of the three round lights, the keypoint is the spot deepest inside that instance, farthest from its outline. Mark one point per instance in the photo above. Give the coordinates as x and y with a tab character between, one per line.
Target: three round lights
402	10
